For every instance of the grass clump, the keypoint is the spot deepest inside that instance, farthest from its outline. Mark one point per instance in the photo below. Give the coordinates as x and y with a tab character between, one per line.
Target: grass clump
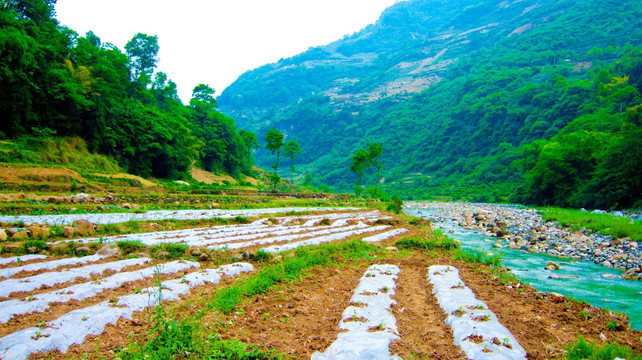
436	242
588	350
477	256
289	270
168	251
130	246
605	224
39	245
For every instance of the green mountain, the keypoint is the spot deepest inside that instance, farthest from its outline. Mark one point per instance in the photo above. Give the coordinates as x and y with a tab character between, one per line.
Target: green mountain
484	100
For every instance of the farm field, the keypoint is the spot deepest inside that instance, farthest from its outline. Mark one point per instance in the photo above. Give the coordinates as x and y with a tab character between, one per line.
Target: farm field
292	283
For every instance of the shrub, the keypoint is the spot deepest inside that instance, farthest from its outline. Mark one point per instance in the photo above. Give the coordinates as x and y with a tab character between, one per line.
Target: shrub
582	349
40	245
130	246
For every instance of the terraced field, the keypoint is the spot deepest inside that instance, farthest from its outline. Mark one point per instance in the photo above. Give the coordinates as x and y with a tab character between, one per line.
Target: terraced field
316	283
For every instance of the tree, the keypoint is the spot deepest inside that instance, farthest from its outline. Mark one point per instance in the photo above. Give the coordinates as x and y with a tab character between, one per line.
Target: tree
291	150
142	51
364	159
375	150
274	143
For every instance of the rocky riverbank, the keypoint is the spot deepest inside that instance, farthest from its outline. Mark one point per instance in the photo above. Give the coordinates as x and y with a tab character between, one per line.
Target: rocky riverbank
524	229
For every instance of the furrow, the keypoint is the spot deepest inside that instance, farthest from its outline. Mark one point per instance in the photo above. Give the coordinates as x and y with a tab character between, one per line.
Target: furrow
385	236
323	239
75	326
41	302
476	329
49	265
19	259
157	215
284	238
7	287
369	323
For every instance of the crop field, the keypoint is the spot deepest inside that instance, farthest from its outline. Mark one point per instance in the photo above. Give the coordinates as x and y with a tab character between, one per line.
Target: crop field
306	283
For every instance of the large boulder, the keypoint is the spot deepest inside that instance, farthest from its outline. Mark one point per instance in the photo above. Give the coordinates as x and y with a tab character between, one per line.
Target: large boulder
83	227
68	231
38	232
3	235
20	235
110	249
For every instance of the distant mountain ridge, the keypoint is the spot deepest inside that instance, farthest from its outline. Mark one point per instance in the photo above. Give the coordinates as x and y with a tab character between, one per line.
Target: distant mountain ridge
439	83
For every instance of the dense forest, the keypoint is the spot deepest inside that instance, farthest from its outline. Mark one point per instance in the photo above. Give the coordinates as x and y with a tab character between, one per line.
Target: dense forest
55	82
531	101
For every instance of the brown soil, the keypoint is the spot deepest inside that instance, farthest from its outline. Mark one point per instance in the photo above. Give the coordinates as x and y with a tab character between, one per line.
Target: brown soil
302	317
210	178
20	177
143	182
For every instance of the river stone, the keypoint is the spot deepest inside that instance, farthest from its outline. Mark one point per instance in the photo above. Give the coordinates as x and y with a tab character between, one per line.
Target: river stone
203	257
38	232
11	248
552	266
110	249
68	231
607	264
20	235
127	206
502	232
83	227
83	250
3	235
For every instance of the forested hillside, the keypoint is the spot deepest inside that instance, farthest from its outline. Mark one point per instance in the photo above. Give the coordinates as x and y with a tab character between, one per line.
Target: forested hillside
55	82
530	101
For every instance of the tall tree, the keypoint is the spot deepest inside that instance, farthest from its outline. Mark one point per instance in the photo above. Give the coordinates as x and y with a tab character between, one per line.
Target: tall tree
291	150
274	143
142	50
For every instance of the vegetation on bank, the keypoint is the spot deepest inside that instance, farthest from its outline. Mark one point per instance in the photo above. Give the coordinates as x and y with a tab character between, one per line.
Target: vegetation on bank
605	224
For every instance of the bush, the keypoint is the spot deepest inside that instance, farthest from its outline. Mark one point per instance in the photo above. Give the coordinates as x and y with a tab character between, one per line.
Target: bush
130	246
168	251
40	245
588	350
396	205
478	257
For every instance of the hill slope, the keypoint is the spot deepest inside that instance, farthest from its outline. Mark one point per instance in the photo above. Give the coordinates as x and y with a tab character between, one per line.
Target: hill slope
454	91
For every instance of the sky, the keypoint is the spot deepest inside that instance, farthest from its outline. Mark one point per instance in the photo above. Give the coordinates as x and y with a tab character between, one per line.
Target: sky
215	41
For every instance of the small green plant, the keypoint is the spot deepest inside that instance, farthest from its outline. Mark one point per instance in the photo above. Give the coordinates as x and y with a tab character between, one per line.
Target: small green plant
262	256
38	245
130	246
588	350
585	315
612	325
325	221
478	257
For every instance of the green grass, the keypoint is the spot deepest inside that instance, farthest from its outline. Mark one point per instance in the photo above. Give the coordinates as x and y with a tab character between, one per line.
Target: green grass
588	350
69	152
476	256
171	251
290	269
130	246
604	224
436	242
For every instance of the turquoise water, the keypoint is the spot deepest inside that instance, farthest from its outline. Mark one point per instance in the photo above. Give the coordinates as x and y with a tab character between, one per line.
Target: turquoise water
590	285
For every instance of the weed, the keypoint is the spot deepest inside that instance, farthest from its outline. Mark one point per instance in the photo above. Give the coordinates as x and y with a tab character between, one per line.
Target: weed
262	256
478	257
130	246
585	315
168	250
435	242
39	245
582	349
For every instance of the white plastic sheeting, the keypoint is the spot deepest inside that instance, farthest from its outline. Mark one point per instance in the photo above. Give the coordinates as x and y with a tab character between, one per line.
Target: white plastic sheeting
323	239
75	326
8	272
40	302
371	303
270	240
157	215
222	233
384	236
30	283
4	261
468	317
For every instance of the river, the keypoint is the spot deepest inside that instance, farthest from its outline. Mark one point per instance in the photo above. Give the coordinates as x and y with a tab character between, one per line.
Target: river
582	280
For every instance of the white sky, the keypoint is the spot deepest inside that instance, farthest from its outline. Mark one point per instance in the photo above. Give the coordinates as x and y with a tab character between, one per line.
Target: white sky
215	41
